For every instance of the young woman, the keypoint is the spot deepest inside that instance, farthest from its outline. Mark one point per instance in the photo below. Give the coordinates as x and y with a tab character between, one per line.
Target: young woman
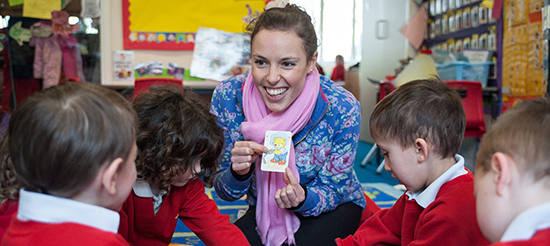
319	197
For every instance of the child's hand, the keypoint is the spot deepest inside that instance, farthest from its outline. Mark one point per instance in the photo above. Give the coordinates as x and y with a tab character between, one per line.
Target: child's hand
244	154
291	195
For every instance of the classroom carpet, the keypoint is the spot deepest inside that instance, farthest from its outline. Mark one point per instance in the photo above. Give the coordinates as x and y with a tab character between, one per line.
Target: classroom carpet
384	195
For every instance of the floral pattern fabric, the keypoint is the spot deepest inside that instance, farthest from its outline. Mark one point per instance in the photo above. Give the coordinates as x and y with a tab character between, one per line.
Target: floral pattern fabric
325	148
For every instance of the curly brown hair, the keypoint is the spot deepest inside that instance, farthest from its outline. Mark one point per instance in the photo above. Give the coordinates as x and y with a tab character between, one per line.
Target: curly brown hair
9	187
175	130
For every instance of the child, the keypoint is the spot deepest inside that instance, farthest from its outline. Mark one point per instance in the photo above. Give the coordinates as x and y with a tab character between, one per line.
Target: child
338	71
179	142
73	149
419	128
512	181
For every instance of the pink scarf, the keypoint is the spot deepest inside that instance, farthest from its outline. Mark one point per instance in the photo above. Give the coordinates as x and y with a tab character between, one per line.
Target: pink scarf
276	225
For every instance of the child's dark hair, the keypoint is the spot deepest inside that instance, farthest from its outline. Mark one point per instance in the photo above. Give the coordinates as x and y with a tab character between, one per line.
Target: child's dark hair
523	133
175	130
426	109
60	137
289	18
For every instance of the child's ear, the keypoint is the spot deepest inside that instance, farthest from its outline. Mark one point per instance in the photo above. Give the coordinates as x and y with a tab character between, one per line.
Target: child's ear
109	176
421	148
502	165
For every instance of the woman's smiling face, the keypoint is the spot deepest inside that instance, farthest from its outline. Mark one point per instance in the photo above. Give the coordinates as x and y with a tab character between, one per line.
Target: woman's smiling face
279	67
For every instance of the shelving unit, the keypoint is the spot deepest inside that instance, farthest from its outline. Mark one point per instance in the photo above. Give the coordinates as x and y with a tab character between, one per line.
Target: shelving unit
442	39
492	92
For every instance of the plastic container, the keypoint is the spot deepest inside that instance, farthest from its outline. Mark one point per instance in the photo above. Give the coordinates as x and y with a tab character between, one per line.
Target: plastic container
464	71
421	67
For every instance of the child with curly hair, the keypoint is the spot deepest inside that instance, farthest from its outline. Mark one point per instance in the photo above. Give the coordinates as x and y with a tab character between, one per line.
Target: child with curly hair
179	142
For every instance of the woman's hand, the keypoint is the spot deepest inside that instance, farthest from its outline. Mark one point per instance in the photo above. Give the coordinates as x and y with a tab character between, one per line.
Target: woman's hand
291	195
244	154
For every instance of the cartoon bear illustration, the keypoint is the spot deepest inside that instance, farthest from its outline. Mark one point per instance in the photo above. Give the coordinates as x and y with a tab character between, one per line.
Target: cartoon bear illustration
279	151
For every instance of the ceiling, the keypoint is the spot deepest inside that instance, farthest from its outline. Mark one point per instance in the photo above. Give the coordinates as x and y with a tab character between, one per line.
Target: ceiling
5	9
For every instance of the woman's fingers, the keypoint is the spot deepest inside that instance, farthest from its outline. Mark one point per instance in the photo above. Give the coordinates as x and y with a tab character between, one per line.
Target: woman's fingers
243	155
255	147
286	197
298	192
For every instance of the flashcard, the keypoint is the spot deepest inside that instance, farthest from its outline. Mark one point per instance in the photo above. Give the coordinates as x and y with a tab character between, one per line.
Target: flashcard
279	144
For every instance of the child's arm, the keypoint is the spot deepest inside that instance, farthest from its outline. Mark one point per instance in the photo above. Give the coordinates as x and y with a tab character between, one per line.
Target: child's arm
382	228
201	215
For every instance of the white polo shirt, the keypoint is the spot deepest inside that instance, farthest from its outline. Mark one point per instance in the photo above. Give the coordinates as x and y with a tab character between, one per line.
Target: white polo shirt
44	208
427	196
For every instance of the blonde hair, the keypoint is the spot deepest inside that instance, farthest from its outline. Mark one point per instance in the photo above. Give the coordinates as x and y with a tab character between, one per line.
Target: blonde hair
522	133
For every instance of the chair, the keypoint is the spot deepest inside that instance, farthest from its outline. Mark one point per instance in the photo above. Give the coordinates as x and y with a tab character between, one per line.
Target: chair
472	100
145	84
385	88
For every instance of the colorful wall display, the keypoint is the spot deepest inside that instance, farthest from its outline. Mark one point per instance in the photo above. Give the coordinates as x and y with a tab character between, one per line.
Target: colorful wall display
522	73
172	24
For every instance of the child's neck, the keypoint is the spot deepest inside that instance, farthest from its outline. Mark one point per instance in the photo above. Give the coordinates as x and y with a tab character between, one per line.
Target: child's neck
437	167
529	193
155	187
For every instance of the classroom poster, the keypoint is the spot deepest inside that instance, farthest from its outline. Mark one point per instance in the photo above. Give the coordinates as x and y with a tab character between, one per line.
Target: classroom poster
123	61
219	55
173	24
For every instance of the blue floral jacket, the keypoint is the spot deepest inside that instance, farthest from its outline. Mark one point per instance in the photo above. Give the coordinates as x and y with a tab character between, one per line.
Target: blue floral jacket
325	148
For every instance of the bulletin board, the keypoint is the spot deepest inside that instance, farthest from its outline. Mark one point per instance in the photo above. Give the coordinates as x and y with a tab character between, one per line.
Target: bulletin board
172	24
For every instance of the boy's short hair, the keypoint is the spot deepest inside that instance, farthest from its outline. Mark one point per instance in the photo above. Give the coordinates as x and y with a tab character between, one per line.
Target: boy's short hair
61	136
426	109
175	130
523	133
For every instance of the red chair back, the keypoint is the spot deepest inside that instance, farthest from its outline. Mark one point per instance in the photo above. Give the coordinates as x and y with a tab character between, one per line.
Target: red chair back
145	84
472	100
385	88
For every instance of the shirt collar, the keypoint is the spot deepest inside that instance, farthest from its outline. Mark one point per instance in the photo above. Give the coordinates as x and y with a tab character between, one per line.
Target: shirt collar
527	223
51	209
428	195
143	189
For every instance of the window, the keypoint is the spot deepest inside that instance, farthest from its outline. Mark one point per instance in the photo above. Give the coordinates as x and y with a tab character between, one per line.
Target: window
339	26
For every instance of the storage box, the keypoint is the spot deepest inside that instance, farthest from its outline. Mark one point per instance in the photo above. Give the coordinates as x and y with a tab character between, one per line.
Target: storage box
464	71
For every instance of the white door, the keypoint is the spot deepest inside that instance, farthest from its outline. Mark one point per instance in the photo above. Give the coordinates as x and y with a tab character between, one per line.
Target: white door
383	47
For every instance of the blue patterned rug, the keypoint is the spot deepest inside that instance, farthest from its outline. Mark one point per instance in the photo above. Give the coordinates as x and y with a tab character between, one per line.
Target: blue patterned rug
382	194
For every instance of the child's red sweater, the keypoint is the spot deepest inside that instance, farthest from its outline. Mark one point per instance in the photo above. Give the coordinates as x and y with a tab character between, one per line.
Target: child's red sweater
140	226
449	220
22	233
7	210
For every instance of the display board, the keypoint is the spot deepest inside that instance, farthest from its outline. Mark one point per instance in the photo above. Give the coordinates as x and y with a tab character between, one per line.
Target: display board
172	24
523	52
